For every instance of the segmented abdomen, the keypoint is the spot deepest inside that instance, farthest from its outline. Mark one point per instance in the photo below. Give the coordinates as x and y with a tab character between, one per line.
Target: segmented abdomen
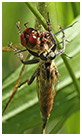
46	101
46	78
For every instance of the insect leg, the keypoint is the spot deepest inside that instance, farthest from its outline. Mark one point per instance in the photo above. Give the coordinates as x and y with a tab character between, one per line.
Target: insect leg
33	76
62	50
19	51
65	28
26	24
33	61
26	81
18	23
33	53
63	42
53	38
31	79
15	88
6	49
64	53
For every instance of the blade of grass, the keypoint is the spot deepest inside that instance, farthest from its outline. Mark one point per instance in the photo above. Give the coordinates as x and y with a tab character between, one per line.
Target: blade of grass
70	70
37	14
63	119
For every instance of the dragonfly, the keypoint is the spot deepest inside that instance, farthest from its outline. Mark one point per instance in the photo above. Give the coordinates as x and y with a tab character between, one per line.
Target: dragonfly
43	46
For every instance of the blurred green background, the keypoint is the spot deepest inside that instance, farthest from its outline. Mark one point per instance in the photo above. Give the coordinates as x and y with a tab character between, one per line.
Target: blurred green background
63	119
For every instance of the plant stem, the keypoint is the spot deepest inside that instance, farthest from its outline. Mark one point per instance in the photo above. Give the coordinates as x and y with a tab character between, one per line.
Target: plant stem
37	14
70	70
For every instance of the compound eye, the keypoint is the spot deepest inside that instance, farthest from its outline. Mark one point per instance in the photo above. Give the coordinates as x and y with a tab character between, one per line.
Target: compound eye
28	30
23	41
32	40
